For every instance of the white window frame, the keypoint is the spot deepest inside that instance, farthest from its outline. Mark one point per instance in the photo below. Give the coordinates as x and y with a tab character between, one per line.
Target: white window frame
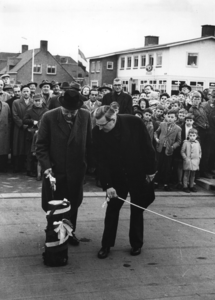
110	62
39	72
127	62
98	66
125	85
136	57
197	60
159	54
51	73
151	55
92	70
94	83
122	58
141	65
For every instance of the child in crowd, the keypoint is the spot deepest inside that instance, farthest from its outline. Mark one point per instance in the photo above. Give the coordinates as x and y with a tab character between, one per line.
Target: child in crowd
168	138
147	114
33	151
181	117
167	104
191	153
138	113
158	114
176	105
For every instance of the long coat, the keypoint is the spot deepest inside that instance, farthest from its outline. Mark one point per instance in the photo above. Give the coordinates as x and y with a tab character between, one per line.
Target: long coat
172	138
5	121
135	154
124	100
19	108
191	153
67	151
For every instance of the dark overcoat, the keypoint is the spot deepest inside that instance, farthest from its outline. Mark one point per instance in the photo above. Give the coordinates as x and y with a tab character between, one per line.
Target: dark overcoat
5	121
124	100
136	156
67	151
19	108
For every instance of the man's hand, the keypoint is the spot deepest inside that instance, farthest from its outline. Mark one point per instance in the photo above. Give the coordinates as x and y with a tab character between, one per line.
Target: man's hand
149	178
111	193
48	171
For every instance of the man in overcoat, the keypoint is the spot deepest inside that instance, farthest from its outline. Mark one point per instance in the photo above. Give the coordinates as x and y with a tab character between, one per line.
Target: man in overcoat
19	108
63	149
124	100
5	122
126	159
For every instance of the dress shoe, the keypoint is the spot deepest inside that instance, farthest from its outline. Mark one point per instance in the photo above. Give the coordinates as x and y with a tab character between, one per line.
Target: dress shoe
186	190
193	189
135	251
103	252
73	240
167	188
31	174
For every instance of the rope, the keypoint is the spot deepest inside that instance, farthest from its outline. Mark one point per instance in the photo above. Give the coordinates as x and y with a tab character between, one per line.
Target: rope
153	212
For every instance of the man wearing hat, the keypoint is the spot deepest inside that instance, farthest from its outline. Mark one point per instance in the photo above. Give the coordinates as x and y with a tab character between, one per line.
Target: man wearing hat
63	149
105	90
56	88
4	96
32	86
124	100
186	89
46	92
6	78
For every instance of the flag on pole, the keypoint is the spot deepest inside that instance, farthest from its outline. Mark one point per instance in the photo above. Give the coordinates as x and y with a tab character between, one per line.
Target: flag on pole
82	61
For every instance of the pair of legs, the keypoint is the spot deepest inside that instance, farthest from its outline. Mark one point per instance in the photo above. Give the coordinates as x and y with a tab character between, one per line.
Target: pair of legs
164	168
112	218
189	177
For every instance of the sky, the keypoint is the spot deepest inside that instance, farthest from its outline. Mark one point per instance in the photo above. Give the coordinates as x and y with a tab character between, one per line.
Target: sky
99	26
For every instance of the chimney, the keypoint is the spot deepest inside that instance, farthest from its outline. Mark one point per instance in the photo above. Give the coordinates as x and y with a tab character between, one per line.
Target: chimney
24	48
44	45
151	40
208	30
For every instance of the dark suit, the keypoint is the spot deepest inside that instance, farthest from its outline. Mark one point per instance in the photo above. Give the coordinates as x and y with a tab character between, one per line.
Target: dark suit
124	100
67	151
124	156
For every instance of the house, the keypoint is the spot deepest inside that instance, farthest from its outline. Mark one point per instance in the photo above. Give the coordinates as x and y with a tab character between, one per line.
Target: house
163	66
45	66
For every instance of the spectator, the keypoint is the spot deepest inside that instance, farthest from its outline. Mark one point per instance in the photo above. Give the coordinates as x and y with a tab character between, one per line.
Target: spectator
124	100
191	153
92	104
186	89
147	115
56	88
158	114
181	117
9	89
5	78
32	86
4	96
46	92
5	121
85	91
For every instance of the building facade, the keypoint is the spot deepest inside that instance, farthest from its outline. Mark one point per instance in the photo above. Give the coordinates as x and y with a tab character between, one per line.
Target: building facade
165	66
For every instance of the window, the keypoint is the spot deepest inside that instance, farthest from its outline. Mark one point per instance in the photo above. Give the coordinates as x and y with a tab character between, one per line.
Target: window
125	86
151	59
109	65
162	86
192	59
38	69
51	70
122	62
129	62
153	83
143	61
64	60
92	67
94	83
142	84
159	59
98	66
197	86
136	61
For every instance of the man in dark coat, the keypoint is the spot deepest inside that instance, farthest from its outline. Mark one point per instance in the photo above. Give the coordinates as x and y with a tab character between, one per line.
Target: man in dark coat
19	108
124	100
126	159
63	149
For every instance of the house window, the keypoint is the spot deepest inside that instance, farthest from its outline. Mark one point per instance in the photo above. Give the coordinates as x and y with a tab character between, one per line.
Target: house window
136	61
197	86
98	66
92	67
109	65
64	60
159	59
125	86
162	86
142	84
151	59
143	61
122	62
192	59
129	62
38	69
94	83
51	70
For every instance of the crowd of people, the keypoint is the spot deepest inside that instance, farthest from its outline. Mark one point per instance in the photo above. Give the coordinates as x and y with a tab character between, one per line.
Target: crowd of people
181	127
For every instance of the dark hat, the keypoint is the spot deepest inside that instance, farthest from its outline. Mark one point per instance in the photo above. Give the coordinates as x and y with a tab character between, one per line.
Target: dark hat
75	86
24	86
139	112
54	83
71	100
45	82
7	87
32	82
37	96
136	92
65	85
189	116
104	88
5	75
185	85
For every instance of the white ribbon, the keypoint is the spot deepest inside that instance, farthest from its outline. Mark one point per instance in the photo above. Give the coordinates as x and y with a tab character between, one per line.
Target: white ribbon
64	229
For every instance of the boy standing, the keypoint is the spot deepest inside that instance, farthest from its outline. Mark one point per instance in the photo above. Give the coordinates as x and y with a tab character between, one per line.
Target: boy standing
168	138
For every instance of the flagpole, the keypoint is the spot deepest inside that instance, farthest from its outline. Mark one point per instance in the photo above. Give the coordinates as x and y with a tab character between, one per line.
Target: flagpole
77	63
32	74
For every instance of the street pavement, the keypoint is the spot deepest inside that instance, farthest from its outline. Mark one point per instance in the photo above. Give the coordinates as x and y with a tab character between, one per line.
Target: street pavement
177	262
